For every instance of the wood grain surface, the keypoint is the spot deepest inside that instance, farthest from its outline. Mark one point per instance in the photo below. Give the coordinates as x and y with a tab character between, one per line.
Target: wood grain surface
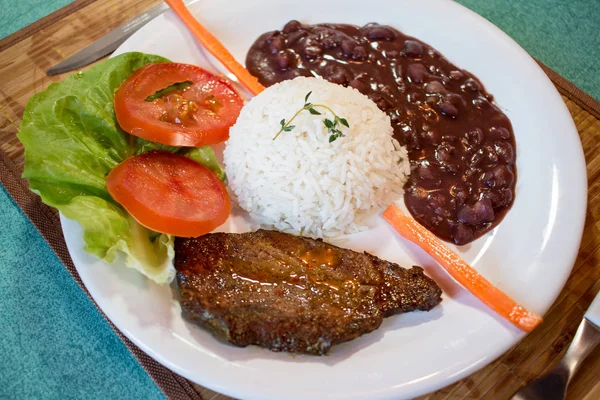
27	54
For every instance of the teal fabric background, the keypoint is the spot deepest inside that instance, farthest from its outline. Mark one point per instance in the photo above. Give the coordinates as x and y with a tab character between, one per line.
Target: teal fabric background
53	342
563	34
15	14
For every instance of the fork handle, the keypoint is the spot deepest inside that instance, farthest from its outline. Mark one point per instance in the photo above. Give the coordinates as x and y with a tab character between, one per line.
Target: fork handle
585	341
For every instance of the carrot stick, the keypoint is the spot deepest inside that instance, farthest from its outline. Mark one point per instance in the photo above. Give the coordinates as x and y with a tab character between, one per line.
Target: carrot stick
215	47
462	272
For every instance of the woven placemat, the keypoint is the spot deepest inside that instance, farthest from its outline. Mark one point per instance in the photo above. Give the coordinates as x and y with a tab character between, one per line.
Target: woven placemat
38	47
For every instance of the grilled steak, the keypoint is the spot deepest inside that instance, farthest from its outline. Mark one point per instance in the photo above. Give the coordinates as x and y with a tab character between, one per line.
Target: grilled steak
289	293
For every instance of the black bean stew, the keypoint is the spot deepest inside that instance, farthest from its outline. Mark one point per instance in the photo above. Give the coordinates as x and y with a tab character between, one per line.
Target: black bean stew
461	146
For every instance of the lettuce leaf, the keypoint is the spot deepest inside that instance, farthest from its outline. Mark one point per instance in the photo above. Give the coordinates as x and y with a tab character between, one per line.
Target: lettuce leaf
72	140
205	155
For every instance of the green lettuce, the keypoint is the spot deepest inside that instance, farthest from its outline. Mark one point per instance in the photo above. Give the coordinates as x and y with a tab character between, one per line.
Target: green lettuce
205	155
72	140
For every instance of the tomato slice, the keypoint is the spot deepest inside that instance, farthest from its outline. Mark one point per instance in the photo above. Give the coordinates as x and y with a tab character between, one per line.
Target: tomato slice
195	116
170	193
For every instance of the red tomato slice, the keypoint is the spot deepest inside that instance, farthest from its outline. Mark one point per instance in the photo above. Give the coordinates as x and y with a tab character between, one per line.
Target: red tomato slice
195	116
170	193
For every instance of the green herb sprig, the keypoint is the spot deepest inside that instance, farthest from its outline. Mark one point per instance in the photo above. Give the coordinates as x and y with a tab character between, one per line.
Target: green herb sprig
333	127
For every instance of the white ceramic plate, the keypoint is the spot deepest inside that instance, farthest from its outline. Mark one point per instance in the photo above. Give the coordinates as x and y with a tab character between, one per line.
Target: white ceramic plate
529	255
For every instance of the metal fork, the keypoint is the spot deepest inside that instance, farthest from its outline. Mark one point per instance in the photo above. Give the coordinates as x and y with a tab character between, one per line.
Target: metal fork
553	385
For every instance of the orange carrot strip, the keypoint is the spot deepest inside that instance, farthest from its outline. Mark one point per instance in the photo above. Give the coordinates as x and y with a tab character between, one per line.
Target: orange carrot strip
462	272
215	47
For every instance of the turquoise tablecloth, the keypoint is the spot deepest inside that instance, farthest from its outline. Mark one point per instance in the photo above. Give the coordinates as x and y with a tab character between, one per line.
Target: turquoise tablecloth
54	344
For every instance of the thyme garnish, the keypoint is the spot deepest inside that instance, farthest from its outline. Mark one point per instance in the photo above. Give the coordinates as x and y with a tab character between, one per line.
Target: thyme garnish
333	127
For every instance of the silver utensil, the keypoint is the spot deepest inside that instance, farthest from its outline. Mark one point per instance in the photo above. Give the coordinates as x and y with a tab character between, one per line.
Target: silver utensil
109	42
553	385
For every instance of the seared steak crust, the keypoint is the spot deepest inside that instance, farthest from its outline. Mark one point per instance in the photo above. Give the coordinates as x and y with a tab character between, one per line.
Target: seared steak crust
289	293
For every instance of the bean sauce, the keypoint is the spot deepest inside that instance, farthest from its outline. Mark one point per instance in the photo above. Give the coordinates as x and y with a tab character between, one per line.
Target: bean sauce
461	145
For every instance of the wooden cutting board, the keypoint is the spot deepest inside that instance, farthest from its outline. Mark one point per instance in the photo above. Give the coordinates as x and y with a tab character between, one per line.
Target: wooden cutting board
27	54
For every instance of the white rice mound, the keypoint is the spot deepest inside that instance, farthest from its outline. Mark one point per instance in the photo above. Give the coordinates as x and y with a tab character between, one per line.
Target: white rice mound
300	183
